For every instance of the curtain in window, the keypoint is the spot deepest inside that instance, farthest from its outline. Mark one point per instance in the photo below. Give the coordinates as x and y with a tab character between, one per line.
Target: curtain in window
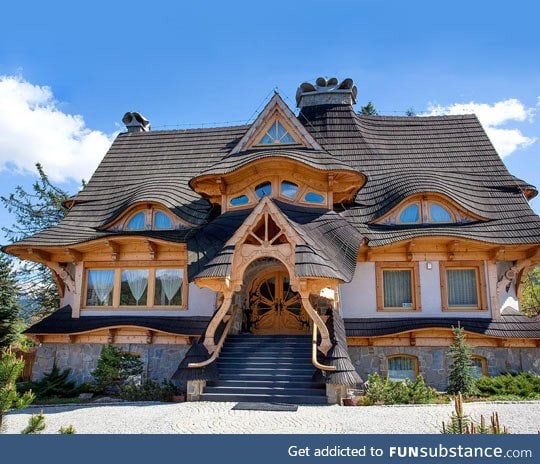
401	368
136	222
462	287
397	286
171	282
102	282
477	366
137	280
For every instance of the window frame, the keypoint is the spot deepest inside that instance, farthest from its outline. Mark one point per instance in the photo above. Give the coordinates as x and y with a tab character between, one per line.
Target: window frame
403	355
380	267
262	133
483	362
149	211
446	208
149	306
479	268
402	210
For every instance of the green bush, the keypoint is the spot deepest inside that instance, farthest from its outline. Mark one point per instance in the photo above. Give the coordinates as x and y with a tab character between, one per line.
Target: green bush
149	391
54	384
11	367
381	391
114	368
523	385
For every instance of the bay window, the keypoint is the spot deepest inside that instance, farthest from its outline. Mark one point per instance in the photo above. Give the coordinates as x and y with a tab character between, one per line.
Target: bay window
135	288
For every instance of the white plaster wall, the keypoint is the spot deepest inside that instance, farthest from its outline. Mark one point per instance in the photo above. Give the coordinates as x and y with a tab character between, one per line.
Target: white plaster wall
201	302
508	300
358	298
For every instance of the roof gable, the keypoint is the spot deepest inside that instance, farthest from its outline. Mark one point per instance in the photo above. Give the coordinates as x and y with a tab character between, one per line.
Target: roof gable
275	118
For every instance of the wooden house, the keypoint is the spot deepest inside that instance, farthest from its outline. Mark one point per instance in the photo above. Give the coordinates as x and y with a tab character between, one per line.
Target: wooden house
289	258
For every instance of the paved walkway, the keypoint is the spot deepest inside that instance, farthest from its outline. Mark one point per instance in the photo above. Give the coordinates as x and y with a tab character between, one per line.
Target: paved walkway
205	417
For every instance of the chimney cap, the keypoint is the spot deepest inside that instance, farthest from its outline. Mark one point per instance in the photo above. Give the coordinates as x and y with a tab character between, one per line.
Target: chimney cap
326	91
136	122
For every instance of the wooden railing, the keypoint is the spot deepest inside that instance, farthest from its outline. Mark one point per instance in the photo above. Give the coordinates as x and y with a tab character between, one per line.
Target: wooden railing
215	354
314	359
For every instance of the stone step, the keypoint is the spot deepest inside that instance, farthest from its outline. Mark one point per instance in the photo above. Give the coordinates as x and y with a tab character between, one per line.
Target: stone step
289	399
265	376
266	383
228	390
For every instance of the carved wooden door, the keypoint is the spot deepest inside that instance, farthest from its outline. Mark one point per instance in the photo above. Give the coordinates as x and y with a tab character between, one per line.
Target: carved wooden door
275	307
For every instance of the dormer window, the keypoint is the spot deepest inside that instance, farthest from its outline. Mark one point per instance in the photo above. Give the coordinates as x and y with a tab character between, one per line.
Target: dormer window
150	217
428	208
264	189
438	213
137	222
312	197
162	221
426	212
289	189
410	215
276	134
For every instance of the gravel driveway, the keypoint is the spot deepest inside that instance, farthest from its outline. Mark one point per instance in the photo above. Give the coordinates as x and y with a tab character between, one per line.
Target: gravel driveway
206	417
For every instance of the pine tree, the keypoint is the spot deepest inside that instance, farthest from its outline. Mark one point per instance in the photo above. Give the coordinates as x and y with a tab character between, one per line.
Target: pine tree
35	210
9	310
530	299
461	378
368	110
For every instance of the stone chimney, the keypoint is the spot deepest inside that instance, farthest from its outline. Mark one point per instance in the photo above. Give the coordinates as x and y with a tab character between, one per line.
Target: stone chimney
136	122
326	92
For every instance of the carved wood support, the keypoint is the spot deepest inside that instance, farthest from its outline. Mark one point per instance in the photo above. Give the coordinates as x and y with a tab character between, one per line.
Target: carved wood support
216	320
326	343
115	249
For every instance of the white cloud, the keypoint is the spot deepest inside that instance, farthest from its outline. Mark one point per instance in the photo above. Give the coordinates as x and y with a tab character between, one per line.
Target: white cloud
505	140
33	129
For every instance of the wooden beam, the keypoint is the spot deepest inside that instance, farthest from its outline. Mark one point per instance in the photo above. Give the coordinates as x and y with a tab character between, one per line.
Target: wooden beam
111	335
497	254
115	249
149	337
411	246
152	248
533	253
75	255
41	255
451	249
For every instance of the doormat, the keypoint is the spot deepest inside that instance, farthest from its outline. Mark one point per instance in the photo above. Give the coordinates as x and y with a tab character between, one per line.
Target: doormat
265	407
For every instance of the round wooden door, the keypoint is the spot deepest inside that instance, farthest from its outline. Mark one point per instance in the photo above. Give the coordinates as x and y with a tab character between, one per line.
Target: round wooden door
275	307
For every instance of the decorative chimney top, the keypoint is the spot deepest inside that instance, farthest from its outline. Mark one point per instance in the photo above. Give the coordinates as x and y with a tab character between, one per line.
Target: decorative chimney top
136	122
326	92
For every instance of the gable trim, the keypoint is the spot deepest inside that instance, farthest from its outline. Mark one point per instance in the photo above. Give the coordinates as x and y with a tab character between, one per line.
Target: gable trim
276	108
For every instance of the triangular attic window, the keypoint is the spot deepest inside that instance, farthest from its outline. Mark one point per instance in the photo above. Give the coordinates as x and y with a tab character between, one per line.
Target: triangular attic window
276	134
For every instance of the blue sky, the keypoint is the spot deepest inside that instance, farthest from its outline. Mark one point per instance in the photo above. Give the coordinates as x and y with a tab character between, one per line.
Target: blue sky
71	70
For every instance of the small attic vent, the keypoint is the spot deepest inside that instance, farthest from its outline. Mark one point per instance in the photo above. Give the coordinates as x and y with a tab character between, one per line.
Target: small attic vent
136	122
326	92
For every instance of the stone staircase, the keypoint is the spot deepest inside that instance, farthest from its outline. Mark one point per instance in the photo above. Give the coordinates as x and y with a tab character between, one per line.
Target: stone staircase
266	368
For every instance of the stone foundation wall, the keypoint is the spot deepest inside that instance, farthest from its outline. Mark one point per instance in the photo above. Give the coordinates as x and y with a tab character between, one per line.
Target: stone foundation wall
434	362
159	361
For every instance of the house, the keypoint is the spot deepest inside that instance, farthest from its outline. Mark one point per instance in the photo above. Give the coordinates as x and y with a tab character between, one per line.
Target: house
219	254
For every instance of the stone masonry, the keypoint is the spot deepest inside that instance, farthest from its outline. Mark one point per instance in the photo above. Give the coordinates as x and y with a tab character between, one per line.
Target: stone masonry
434	362
159	361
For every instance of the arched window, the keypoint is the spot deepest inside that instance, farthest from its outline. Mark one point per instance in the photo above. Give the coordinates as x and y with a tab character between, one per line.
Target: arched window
410	215
313	197
479	365
264	189
239	200
438	213
137	222
276	134
289	189
401	367
162	221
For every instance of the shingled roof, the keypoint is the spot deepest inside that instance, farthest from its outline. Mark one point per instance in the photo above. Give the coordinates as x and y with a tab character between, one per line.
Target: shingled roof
400	156
61	322
504	326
